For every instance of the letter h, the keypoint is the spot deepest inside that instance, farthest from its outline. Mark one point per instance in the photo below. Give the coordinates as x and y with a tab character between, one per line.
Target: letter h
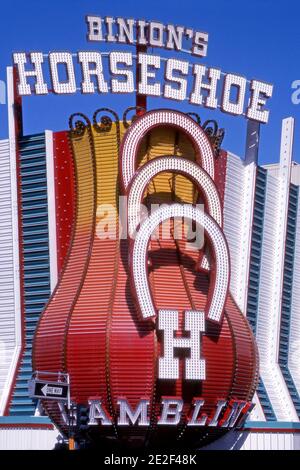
169	365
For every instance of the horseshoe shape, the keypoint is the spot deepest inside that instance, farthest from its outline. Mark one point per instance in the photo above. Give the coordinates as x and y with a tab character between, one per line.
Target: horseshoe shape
220	275
178	165
166	117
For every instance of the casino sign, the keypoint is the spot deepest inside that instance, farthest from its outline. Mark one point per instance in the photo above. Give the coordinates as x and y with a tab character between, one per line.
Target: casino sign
142	320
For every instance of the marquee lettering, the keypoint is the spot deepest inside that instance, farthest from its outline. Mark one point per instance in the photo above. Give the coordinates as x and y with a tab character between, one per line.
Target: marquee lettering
115	72
227	414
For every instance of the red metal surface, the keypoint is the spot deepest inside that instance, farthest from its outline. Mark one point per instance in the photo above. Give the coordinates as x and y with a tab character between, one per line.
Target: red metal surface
49	344
51	333
26	426
64	194
220	173
91	327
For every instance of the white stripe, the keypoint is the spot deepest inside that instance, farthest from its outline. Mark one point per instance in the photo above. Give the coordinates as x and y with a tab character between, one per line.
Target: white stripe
51	209
294	344
12	356
271	281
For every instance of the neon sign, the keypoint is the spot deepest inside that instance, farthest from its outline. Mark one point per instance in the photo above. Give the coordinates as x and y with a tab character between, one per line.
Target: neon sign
114	72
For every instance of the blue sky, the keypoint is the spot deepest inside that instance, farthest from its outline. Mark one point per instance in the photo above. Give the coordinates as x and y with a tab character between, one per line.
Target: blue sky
258	39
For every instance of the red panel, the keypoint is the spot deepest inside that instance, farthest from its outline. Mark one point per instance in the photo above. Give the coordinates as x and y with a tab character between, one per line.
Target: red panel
64	194
220	173
49	344
131	346
28	426
51	333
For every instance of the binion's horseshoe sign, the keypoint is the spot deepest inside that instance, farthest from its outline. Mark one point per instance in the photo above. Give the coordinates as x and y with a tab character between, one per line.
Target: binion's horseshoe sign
142	319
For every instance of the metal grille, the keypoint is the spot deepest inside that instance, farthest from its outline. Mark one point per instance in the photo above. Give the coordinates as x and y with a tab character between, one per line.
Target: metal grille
287	296
254	275
35	255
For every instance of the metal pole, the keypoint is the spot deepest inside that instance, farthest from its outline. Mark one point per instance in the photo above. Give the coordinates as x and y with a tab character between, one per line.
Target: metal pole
18	109
72	443
141	100
252	142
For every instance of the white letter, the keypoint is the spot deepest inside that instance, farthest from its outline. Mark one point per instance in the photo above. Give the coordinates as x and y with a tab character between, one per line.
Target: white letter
170	415
117	86
228	106
94	28
255	111
174	37
296	94
156	40
195	420
213	76
109	24
36	58
141	28
97	412
127	415
144	88
237	408
244	415
2	101
180	92
200	44
220	406
107	222
68	86
85	59
125	31
168	366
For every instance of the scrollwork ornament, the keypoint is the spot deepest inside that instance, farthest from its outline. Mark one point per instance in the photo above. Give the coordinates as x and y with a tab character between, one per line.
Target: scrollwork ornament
134	117
79	126
196	117
105	120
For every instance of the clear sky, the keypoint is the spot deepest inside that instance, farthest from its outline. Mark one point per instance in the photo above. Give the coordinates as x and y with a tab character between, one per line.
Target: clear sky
258	39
